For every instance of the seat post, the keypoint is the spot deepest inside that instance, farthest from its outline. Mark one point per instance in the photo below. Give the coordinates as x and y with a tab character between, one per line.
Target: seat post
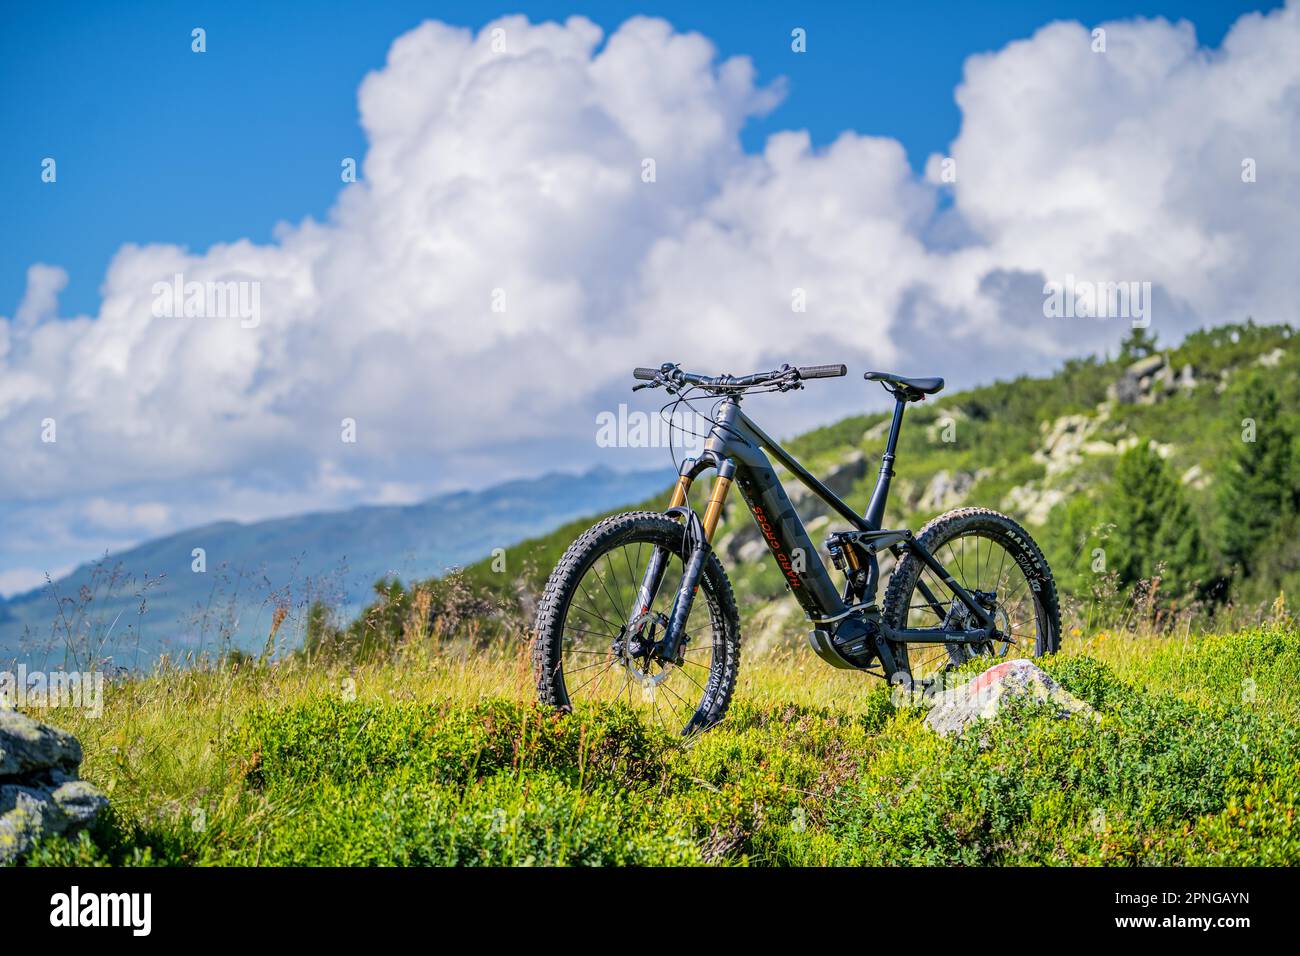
875	513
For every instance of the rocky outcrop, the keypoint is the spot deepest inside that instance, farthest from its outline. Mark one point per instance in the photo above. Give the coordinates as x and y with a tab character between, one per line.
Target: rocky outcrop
1271	359
948	489
40	794
1032	502
1069	438
985	697
1150	379
840	479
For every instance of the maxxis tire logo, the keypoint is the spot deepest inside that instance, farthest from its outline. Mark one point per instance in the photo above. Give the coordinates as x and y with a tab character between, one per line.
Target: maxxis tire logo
1027	560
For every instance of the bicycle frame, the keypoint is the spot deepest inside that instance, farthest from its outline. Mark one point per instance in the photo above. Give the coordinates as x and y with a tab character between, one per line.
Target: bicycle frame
738	449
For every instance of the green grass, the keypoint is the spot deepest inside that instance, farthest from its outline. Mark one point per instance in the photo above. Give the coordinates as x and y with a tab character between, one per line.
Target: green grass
442	758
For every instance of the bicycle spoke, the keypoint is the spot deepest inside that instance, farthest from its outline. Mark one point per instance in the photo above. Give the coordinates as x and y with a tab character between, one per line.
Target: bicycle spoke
589	638
583	630
592	678
605	587
631	575
693	680
593	613
1016	605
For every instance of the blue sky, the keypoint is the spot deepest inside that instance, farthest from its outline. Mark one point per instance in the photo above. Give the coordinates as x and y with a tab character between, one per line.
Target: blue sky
520	170
155	144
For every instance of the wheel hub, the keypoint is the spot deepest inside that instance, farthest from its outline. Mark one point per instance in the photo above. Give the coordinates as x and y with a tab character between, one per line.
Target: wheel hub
960	617
638	649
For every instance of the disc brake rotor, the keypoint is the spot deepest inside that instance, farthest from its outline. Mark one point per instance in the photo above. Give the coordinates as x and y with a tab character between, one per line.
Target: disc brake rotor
959	617
641	632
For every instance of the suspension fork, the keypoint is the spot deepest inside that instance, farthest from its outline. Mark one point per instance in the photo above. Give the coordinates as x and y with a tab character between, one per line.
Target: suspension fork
699	535
654	571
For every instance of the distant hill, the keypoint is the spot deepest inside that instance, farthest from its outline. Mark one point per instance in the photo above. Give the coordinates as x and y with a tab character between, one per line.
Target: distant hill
287	562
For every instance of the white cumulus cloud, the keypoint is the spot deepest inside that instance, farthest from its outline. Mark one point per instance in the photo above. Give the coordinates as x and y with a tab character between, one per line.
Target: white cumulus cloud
515	175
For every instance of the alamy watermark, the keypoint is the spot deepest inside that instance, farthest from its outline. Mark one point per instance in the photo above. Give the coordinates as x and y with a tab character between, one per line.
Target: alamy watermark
83	690
234	299
133	911
1082	299
637	429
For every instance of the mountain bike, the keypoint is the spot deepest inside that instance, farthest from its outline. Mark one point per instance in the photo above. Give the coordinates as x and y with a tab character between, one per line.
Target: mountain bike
622	615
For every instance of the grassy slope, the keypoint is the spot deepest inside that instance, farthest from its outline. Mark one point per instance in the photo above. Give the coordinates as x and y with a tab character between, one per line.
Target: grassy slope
442	758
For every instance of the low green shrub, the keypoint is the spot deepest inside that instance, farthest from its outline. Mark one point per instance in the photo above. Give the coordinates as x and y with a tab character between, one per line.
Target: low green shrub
1154	780
1179	766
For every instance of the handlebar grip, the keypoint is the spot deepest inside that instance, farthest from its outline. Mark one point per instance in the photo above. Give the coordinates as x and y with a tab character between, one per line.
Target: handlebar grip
645	374
823	371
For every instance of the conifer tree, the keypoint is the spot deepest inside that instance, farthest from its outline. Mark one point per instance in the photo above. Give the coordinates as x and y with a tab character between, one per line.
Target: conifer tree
1256	487
1155	531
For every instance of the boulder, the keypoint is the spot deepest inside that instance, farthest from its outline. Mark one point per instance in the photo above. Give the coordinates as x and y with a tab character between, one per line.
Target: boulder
1196	477
40	794
1146	366
840	479
1032	502
27	746
1271	359
985	697
948	489
1150	380
1064	440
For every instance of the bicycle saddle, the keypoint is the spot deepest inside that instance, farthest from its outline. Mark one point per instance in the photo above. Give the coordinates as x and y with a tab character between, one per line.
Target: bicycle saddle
911	389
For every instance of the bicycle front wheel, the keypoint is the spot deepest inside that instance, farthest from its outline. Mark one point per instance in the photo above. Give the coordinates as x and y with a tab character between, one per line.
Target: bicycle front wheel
591	640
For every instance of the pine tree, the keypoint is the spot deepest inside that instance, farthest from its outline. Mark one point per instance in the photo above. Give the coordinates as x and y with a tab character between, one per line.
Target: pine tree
1255	483
1155	531
1136	345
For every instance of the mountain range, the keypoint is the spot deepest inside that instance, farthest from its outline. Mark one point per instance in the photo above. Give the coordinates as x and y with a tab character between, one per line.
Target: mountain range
220	585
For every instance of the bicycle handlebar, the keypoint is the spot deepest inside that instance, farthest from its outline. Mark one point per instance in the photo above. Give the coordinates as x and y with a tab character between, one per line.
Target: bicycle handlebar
786	377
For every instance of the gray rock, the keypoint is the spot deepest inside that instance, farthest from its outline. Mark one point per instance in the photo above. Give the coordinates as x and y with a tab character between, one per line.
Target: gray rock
946	490
985	697
752	549
28	746
839	479
79	802
1150	380
1146	366
40	795
1032	502
1270	359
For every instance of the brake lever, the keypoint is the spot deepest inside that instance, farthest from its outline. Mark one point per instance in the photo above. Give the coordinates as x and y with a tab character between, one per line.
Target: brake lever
657	383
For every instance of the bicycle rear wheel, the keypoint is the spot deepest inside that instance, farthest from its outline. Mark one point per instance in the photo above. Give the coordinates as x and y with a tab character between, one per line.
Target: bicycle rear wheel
993	558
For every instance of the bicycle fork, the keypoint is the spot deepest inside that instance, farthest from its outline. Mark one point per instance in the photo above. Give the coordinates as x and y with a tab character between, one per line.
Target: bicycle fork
699	535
